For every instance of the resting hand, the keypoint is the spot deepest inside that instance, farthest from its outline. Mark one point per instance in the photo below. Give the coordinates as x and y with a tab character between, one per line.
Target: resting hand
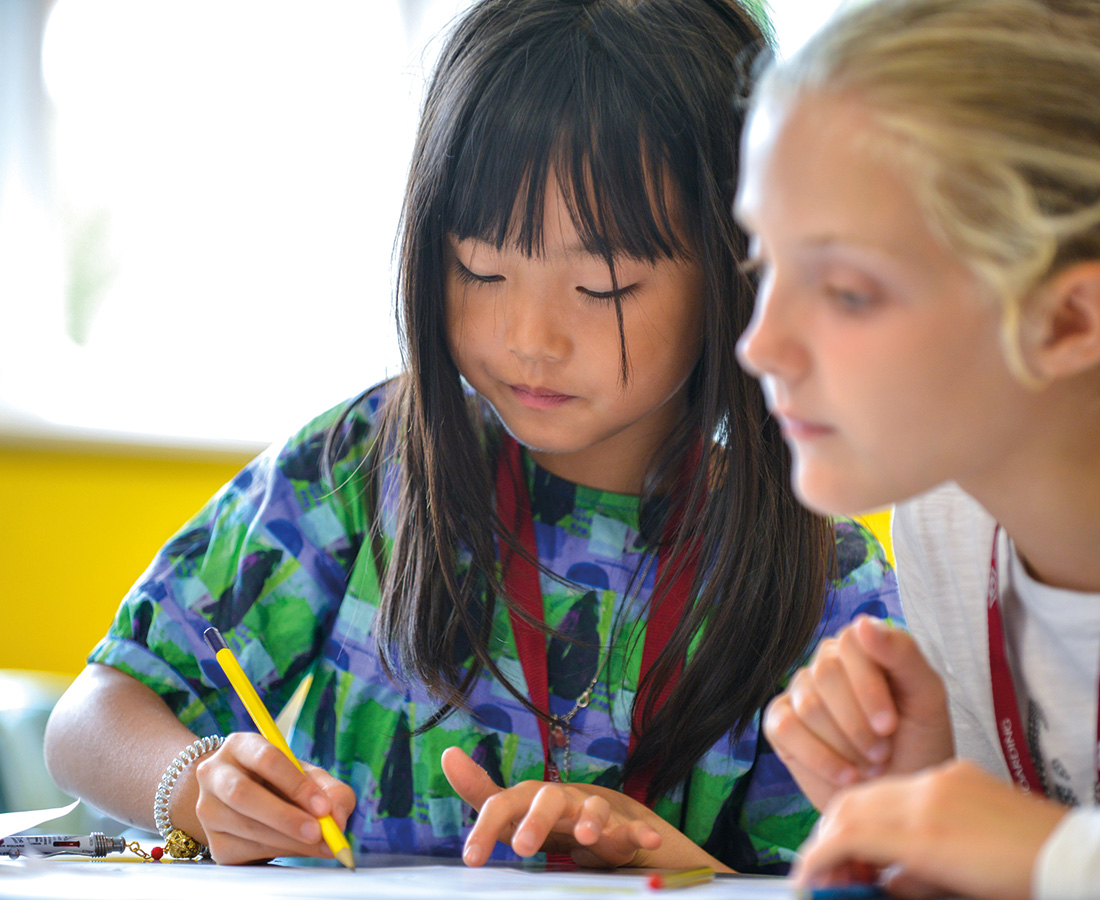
867	704
951	830
253	803
597	826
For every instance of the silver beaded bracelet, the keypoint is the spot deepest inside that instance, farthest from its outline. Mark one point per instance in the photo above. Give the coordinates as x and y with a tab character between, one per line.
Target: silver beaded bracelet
164	791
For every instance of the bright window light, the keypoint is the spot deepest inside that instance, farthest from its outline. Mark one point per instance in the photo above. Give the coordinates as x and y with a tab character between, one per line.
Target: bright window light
209	254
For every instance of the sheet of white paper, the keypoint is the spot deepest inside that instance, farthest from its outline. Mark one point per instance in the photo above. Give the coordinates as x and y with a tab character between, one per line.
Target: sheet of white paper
63	880
14	822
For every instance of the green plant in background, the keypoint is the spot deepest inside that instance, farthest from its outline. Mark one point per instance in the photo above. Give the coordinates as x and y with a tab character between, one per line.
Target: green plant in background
91	270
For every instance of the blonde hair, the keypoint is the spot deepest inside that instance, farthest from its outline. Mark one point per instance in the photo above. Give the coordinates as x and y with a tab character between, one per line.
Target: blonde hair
997	104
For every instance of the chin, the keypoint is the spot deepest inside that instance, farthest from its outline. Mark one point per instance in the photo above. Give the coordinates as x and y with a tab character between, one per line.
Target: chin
538	443
835	497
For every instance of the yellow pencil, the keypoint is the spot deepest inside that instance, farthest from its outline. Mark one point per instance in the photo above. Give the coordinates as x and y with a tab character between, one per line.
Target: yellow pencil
665	881
335	839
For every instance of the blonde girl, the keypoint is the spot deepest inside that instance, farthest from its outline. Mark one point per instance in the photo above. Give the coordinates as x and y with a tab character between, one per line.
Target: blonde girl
921	184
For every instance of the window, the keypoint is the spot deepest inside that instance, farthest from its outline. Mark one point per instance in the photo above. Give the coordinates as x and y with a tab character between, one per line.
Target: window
198	206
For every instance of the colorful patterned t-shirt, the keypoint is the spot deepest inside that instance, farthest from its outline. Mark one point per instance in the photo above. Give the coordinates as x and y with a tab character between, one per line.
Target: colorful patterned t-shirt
280	562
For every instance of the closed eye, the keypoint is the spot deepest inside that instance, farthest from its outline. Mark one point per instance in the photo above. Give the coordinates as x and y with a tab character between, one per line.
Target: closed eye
621	294
469	277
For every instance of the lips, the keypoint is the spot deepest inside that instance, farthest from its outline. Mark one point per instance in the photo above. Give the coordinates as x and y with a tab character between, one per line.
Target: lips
537	391
539	397
798	428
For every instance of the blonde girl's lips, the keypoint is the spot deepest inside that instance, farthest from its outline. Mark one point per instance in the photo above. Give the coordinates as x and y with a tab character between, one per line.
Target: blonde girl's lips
800	429
539	398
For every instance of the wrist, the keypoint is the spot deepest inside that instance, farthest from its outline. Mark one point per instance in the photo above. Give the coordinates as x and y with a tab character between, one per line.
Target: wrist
178	784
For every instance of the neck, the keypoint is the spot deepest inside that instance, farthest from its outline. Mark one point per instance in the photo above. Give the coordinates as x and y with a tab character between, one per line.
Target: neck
1048	501
625	477
618	463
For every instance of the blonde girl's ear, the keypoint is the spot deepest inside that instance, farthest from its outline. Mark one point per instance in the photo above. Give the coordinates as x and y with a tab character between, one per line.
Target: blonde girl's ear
1060	332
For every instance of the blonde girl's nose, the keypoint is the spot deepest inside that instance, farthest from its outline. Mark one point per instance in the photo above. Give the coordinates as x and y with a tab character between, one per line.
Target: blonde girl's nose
769	345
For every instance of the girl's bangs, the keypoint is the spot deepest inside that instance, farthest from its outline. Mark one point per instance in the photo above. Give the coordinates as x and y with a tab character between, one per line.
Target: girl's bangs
596	137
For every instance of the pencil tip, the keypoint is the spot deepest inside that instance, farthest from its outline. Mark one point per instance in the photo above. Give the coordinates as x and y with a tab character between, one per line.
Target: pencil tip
345	856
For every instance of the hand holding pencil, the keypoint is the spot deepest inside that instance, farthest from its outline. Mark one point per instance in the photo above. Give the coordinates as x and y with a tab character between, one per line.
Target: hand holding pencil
256	804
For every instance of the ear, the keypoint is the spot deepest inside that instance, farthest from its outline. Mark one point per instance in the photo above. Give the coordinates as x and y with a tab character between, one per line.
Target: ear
1061	323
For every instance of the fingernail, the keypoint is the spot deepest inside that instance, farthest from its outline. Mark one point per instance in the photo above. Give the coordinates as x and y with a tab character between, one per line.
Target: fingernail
882	722
472	855
318	805
879	752
311	832
847	776
523	844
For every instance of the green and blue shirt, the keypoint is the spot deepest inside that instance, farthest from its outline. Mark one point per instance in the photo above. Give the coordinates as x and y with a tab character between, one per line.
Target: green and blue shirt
280	562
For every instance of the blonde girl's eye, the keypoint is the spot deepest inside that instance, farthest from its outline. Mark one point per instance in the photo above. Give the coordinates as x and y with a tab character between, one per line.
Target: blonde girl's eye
466	276
850	300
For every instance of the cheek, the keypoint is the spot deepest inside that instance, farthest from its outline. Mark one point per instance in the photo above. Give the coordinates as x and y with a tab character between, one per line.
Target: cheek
459	320
673	333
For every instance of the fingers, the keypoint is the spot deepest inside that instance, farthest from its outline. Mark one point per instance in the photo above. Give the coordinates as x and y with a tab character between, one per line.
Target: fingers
504	812
917	690
949	830
836	718
856	833
611	844
534	816
471	782
341	797
855	692
819	768
254	803
572	819
553	805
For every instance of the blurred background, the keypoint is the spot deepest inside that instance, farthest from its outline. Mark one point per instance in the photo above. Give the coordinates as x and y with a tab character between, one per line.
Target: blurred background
198	204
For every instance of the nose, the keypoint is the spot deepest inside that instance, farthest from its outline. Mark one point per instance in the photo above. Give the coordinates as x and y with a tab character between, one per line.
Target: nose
769	346
535	328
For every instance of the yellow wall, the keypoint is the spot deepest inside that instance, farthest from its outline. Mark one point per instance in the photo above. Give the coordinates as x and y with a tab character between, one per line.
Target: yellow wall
78	527
879	523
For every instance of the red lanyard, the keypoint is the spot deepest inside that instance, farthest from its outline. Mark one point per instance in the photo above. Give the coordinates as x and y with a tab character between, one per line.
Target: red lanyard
1009	726
521	581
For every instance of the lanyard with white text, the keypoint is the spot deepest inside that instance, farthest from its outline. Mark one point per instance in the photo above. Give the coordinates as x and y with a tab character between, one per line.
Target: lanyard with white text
521	581
1009	725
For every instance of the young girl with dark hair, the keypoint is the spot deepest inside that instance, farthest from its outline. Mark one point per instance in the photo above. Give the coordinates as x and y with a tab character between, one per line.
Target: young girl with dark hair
563	541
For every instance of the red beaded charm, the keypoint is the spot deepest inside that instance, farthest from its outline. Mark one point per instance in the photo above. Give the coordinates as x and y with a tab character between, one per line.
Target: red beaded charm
157	852
557	736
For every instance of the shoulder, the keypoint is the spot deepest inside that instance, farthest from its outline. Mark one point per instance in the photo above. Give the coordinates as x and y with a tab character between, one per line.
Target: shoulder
942	541
335	442
945	522
321	464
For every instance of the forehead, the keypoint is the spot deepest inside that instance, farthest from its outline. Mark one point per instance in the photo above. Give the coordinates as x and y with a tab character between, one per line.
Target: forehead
824	156
820	175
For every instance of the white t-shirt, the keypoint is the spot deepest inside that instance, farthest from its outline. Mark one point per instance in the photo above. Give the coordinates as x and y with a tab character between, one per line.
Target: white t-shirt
943	542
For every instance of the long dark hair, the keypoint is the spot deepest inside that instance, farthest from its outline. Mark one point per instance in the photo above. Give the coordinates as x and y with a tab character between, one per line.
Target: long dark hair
632	104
